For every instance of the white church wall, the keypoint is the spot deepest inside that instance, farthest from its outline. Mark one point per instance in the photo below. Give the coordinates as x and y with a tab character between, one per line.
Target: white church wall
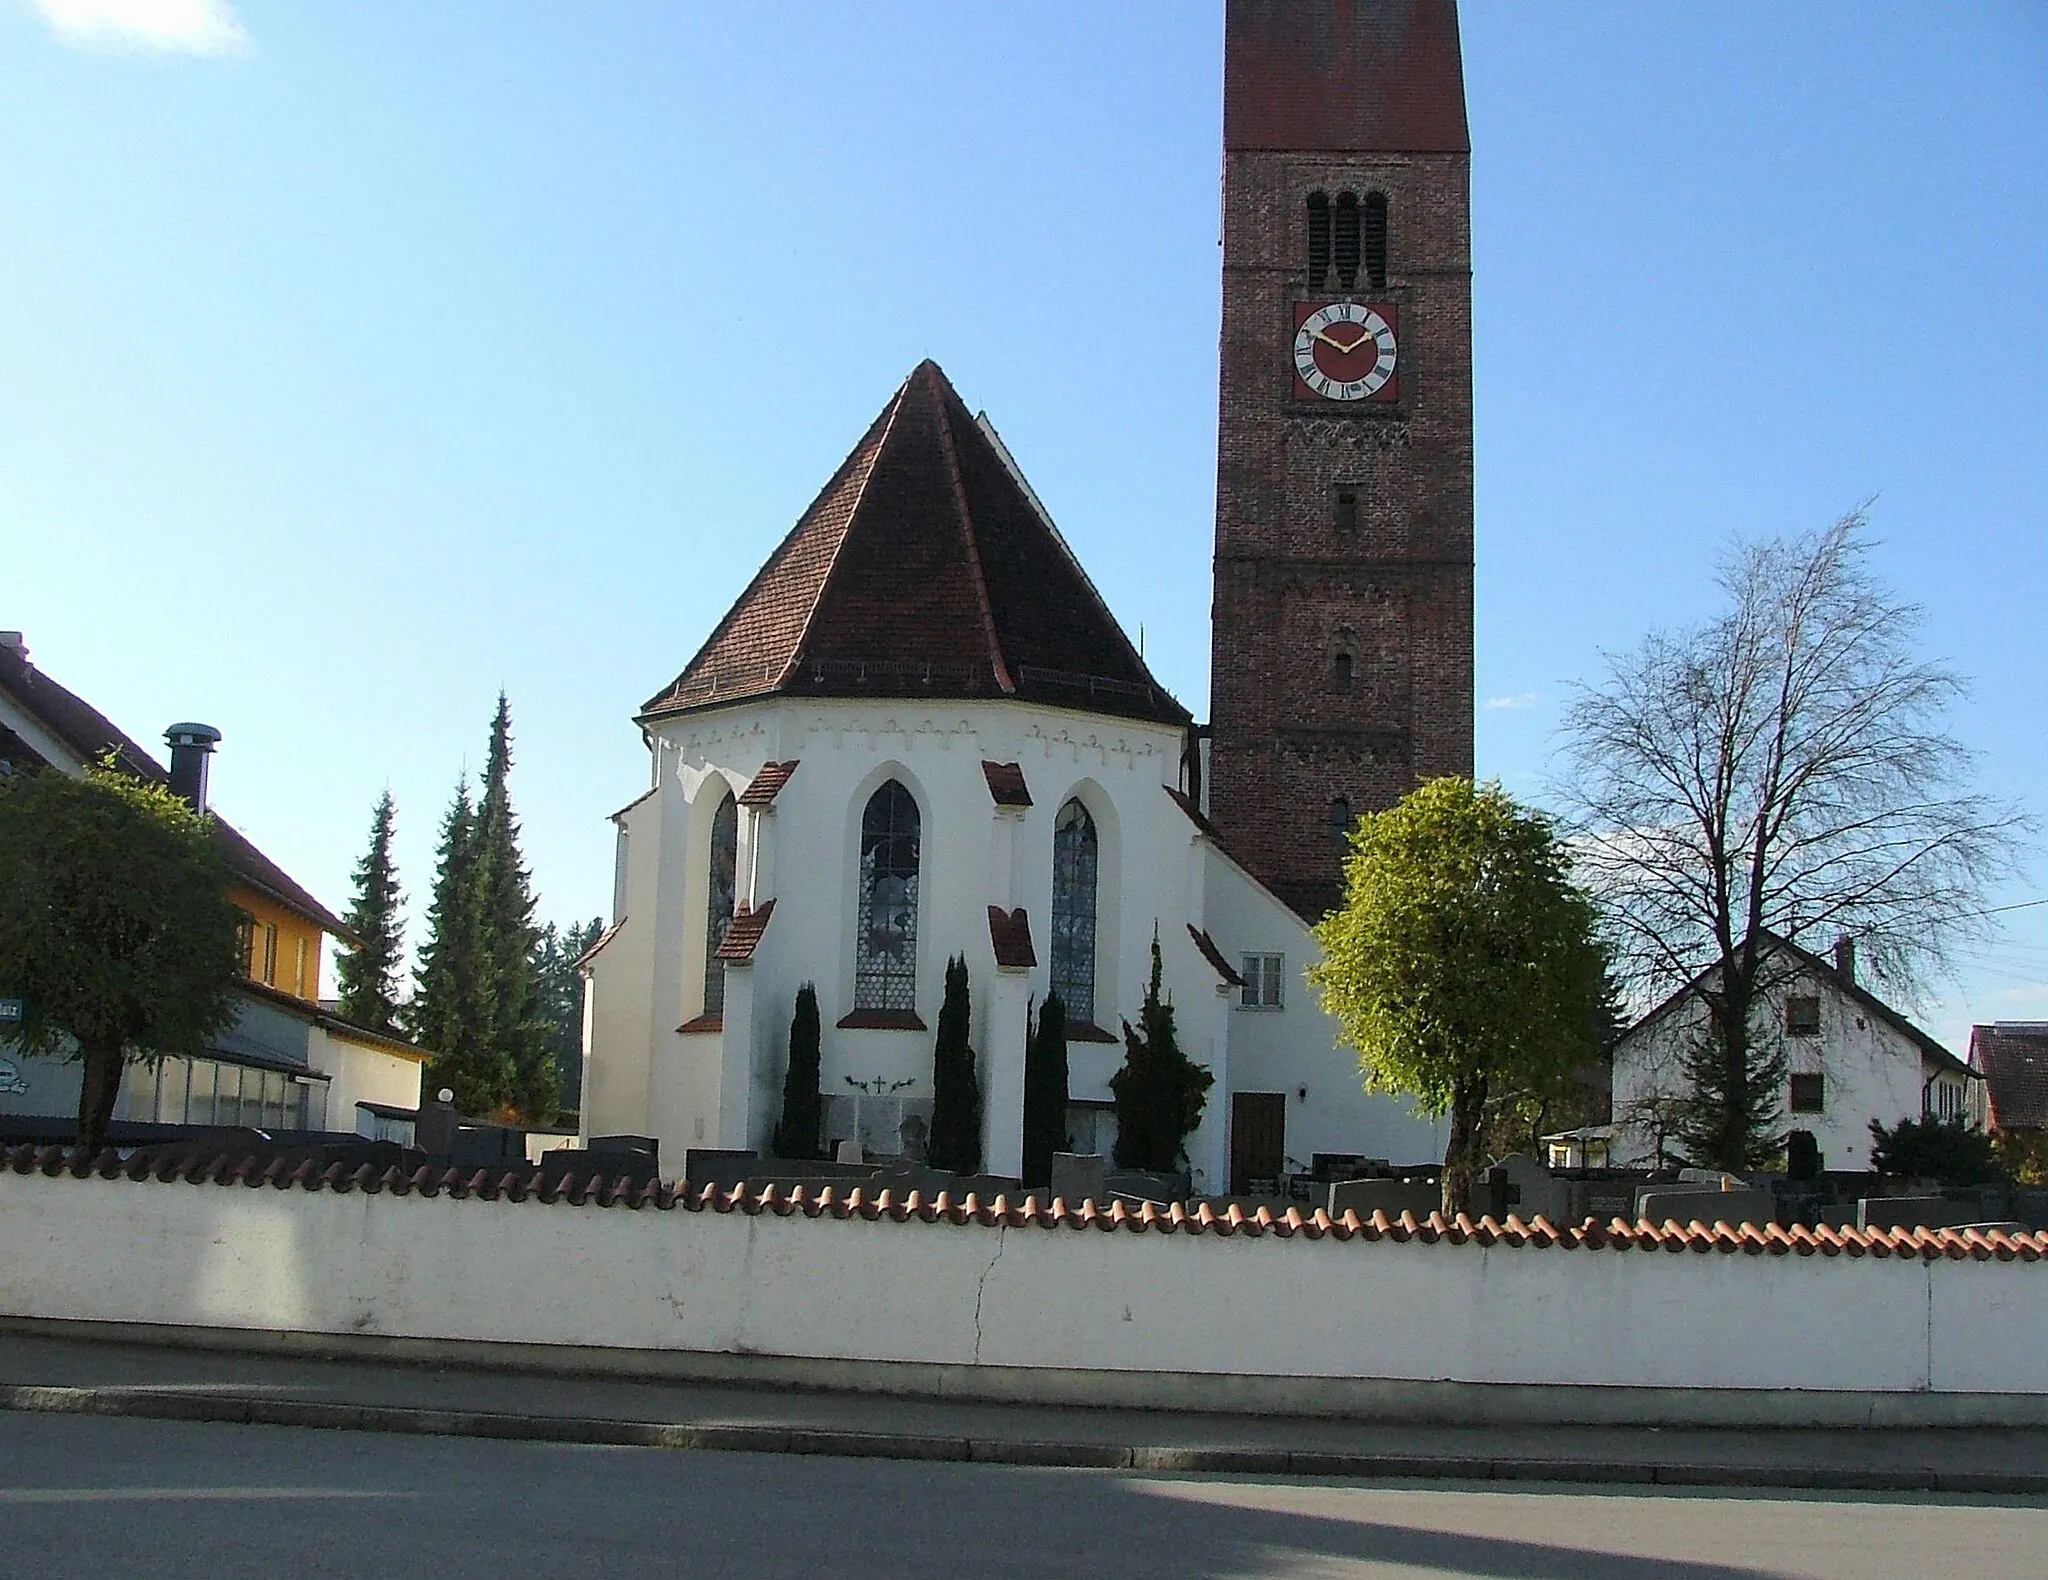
619	989
1296	1046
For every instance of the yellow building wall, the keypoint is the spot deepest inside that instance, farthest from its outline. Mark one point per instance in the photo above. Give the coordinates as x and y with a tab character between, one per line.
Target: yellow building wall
284	948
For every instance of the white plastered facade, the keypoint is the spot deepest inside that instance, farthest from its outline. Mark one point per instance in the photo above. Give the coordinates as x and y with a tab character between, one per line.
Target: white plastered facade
721	1086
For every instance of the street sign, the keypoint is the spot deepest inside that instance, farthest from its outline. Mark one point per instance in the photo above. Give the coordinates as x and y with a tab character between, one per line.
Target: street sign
11	1011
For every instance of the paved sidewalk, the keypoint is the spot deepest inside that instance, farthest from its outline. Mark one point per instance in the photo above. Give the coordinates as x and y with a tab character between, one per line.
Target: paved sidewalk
78	1376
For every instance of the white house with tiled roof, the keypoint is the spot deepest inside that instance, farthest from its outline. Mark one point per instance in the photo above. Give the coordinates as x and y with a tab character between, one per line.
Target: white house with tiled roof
920	733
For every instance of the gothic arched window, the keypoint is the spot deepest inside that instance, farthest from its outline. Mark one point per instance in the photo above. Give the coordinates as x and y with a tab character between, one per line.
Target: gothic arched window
1376	240
1340	672
1340	823
719	897
885	948
1318	240
1346	241
1075	856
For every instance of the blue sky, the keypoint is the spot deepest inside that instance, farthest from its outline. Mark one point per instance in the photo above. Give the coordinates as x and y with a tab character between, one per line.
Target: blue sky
358	360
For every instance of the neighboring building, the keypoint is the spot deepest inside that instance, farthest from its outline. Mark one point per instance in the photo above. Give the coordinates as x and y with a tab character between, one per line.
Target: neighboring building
1852	1058
2012	1056
920	733
286	1062
1341	671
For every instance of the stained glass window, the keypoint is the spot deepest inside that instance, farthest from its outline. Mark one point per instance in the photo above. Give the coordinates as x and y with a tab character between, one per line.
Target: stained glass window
1074	861
885	949
720	896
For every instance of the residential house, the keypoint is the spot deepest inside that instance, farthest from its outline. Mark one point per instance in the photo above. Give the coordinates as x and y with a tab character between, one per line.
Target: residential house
287	1062
2012	1056
1851	1058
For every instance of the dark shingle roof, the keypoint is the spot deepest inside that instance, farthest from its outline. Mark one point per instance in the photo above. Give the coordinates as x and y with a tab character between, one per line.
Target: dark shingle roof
1370	77
2013	1057
924	569
90	735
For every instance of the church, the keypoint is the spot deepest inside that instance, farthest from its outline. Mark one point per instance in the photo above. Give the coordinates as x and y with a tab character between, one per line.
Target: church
920	733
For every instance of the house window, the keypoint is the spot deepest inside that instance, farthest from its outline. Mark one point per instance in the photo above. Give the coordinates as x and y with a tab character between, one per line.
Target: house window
885	949
1344	246
270	954
1075	854
1809	1094
1318	240
1347	510
1802	1017
1262	978
299	967
1340	822
245	942
1375	225
720	894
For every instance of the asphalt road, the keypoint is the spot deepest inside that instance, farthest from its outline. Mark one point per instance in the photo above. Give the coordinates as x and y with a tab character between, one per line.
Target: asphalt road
131	1498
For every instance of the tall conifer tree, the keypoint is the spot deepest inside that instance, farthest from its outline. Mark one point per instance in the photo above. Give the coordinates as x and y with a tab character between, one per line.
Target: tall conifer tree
368	974
956	1093
518	1029
453	1003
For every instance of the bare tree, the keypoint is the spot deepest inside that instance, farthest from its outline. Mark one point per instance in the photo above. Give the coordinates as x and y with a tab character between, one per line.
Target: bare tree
1781	771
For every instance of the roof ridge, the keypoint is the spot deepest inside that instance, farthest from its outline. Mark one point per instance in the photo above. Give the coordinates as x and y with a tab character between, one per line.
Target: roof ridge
1004	679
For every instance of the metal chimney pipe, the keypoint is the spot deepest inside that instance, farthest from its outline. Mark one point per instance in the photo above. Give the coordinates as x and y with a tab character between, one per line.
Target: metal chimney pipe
191	750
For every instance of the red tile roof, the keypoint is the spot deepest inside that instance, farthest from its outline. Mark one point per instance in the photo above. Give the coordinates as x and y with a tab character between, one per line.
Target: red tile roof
744	935
2013	1056
1214	956
924	569
605	938
1010	933
1006	786
91	735
1903	1245
767	784
1384	76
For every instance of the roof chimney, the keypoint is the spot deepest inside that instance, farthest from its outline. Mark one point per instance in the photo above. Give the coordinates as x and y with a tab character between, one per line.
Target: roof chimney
15	643
1845	958
191	745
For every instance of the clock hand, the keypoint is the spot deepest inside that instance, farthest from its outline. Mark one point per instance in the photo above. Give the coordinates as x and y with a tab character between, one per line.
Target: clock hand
1338	345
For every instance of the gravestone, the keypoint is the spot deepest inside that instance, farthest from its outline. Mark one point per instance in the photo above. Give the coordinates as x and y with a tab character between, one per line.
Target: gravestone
1662	1203
1078	1177
1393	1197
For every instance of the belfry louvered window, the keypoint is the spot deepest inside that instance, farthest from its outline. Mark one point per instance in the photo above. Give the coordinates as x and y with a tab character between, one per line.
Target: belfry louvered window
720	895
885	950
1075	857
1345	241
1318	240
1375	226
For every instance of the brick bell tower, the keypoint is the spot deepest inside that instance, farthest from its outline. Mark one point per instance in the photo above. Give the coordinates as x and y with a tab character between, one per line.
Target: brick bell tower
1342	647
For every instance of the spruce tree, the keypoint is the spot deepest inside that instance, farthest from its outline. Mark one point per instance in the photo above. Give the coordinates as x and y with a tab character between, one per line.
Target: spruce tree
560	989
956	1094
368	974
451	1013
796	1136
1160	1093
518	1026
1045	1092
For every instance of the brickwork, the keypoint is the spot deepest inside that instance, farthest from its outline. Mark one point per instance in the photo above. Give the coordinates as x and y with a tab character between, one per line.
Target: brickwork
1304	581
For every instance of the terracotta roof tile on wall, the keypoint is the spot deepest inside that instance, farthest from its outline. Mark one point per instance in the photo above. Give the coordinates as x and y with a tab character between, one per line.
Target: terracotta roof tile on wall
1010	933
923	570
767	784
1025	1212
1359	75
743	937
2013	1057
1006	786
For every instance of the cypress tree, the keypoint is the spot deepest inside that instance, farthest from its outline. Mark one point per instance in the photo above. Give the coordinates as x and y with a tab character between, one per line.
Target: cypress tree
368	974
802	1108
452	1004
1045	1092
518	1027
956	1094
1160	1093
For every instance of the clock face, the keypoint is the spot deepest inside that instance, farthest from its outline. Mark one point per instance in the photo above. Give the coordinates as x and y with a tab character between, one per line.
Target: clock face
1344	351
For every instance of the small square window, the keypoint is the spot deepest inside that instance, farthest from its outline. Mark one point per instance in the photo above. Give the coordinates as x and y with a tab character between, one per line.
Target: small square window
1262	978
1802	1017
1809	1094
1347	510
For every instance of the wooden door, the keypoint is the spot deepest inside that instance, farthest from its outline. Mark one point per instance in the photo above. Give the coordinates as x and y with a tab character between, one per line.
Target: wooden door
1258	1140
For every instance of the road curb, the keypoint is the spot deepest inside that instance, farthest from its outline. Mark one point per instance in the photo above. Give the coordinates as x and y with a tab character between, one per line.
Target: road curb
170	1404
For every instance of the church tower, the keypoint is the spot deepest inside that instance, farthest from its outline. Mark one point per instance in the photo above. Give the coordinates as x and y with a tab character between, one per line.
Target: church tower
1341	671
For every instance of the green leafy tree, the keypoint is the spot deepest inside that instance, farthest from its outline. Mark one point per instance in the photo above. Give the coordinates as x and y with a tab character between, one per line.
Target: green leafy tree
1160	1093
115	927
796	1135
956	1093
560	989
369	974
452	1008
1944	1150
519	1026
1045	1091
1464	961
